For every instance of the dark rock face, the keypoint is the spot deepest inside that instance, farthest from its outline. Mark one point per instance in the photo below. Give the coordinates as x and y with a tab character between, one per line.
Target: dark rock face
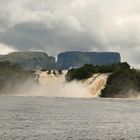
30	60
67	60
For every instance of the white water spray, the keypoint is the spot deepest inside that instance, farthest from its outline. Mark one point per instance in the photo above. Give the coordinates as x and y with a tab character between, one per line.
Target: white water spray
96	83
55	85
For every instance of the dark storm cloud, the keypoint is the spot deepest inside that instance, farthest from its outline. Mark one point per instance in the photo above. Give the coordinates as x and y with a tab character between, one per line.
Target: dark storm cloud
61	25
31	35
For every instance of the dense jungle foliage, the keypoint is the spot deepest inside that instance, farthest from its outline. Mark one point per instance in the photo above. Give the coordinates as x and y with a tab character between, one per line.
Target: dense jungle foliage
122	81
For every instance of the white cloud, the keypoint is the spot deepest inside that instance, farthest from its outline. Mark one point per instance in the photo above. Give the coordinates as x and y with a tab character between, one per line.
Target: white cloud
4	49
104	25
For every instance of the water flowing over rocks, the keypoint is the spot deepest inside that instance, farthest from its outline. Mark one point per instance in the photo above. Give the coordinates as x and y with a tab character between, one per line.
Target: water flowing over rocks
57	86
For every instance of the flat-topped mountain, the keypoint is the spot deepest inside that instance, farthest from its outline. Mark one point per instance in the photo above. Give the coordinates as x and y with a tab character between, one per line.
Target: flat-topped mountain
30	60
67	60
40	60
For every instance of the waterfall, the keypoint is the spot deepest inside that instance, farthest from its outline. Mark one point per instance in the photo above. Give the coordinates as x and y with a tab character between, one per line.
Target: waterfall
56	85
96	83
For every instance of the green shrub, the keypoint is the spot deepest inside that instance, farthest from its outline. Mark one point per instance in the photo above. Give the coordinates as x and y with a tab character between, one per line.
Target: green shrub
88	70
120	83
121	80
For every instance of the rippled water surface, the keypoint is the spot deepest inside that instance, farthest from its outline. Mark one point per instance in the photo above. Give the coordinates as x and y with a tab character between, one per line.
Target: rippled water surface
42	118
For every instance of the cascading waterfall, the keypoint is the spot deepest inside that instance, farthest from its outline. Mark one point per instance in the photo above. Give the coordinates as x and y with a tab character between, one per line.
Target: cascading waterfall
50	78
96	83
54	84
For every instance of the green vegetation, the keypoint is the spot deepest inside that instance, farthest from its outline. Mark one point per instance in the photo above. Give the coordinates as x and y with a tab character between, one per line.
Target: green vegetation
80	73
88	70
30	60
60	72
122	82
11	76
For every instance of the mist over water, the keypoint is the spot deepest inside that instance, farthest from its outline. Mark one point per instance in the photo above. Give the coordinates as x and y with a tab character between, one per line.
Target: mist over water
54	85
96	83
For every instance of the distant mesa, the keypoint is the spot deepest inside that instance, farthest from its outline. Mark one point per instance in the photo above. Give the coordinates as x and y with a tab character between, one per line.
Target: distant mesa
40	60
67	60
30	60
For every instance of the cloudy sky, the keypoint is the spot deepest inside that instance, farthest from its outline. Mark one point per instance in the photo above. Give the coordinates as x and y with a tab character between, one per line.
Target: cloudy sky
63	25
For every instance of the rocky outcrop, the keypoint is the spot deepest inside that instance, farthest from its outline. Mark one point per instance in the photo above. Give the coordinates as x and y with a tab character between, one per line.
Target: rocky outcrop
30	60
67	60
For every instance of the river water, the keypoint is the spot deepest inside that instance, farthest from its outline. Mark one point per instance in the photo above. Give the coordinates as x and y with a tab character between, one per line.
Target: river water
44	118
